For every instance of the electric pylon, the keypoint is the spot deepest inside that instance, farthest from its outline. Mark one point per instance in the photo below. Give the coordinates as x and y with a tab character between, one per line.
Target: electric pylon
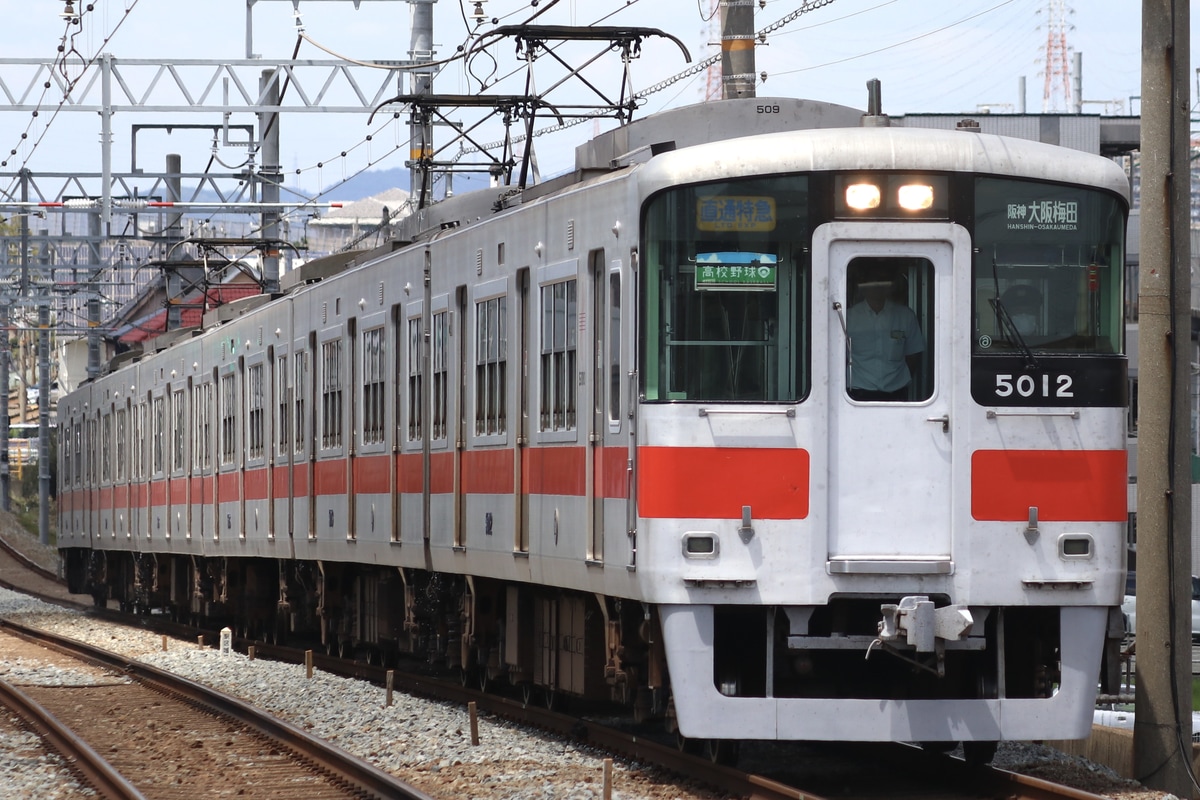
1058	56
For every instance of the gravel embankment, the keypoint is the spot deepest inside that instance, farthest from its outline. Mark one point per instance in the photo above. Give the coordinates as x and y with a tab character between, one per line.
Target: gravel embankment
426	743
28	770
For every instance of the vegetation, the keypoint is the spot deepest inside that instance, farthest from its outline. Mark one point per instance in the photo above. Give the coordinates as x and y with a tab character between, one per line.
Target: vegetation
24	491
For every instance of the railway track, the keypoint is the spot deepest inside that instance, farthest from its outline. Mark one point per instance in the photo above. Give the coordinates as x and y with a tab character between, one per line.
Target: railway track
139	732
862	770
833	773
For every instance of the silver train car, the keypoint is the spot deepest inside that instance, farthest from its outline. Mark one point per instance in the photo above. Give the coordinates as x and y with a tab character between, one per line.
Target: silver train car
624	435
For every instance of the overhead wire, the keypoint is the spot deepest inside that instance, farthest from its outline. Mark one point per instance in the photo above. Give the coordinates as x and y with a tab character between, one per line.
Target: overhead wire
696	69
895	45
60	63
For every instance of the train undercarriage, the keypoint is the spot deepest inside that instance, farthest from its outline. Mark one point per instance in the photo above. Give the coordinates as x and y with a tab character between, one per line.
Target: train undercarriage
550	645
546	643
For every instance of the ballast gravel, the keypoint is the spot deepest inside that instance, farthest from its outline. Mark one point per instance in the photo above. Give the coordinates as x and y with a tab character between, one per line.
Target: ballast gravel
425	742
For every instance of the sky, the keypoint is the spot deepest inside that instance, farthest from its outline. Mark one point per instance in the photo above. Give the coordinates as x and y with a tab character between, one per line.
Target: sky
931	56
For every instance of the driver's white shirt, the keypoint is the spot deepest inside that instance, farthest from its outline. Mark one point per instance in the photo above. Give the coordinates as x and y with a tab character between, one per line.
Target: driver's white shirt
879	344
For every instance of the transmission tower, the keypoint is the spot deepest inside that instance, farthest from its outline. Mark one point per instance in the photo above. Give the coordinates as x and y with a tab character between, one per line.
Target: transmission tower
1058	56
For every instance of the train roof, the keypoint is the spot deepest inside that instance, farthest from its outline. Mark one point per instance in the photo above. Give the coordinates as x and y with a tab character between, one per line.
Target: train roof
883	148
712	140
753	136
703	123
636	143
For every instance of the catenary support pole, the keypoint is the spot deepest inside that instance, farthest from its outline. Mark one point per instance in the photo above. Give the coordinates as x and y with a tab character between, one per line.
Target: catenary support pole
737	49
271	173
1163	721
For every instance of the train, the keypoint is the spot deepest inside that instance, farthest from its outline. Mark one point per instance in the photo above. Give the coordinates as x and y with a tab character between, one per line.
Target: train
628	434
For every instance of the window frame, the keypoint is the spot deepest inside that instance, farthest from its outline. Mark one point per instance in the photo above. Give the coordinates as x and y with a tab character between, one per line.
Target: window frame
490	356
558	385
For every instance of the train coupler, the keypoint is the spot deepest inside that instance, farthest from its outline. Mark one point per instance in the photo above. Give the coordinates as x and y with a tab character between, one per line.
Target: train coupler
916	622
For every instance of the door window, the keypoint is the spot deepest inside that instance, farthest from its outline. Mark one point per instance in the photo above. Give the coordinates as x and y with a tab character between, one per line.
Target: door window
889	329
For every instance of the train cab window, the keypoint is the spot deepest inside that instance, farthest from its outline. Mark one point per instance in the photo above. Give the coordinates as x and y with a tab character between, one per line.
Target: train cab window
1049	269
726	292
889	328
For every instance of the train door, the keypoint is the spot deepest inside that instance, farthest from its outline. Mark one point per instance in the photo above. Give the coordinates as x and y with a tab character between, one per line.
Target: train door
123	469
457	421
178	500
202	461
598	274
521	418
107	485
891	392
279	442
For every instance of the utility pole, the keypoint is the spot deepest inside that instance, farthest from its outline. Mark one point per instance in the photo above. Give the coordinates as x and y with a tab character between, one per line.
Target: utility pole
272	176
43	347
421	82
1162	741
737	49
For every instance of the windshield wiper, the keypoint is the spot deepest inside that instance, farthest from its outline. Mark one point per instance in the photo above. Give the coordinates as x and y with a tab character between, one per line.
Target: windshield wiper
1010	327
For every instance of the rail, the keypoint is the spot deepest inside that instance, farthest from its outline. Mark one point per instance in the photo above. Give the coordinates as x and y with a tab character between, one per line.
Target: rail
363	776
95	770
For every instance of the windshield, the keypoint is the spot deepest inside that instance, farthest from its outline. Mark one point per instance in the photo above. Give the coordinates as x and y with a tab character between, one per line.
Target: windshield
727	292
1048	269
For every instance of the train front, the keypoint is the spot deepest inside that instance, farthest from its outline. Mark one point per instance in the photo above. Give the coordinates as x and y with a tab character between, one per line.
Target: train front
881	469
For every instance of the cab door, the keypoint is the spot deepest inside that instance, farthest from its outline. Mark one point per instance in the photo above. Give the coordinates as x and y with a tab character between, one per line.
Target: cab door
891	427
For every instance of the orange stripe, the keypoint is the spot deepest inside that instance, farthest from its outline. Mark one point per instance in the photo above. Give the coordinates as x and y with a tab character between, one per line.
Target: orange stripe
716	482
329	477
280	477
158	493
300	480
488	472
229	487
410	477
1064	485
441	473
612	465
371	474
554	470
256	484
